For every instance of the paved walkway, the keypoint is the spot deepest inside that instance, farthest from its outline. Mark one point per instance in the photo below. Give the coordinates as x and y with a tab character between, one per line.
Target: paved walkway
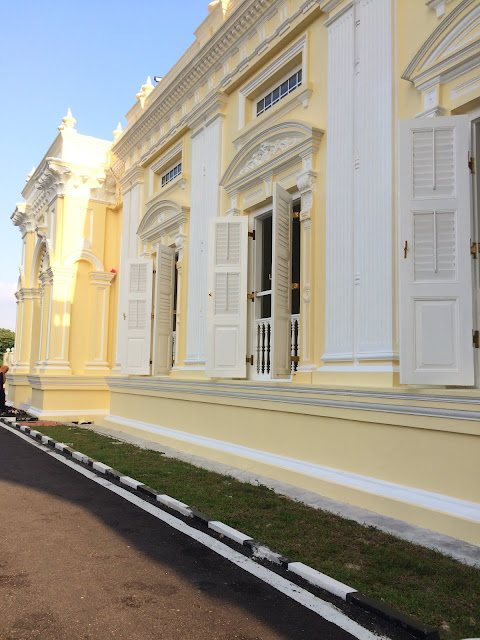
79	562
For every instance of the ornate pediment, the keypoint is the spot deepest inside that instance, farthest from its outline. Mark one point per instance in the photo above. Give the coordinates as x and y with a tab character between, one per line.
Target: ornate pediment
161	217
453	48
278	146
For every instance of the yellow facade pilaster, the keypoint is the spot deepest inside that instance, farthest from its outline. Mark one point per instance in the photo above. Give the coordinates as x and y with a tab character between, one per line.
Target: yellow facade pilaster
100	283
28	304
56	322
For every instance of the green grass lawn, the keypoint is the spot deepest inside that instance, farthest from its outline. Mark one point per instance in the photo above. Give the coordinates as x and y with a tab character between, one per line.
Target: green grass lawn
423	583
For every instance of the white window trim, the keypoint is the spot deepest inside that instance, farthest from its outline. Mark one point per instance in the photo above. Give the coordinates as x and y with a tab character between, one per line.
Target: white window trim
245	93
164	164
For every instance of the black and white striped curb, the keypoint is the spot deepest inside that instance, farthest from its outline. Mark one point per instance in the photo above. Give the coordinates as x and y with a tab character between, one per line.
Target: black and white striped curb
252	548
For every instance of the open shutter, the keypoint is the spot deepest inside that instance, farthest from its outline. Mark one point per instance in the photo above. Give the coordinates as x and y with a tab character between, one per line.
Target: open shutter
227	306
435	265
281	282
138	317
163	323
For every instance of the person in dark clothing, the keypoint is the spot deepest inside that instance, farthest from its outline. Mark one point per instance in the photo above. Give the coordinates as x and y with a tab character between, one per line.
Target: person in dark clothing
3	374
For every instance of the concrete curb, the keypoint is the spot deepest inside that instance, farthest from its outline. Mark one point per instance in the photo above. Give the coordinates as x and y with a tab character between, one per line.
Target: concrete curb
251	547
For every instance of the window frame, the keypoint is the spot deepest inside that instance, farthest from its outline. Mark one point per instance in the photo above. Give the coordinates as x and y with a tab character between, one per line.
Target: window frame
165	178
296	73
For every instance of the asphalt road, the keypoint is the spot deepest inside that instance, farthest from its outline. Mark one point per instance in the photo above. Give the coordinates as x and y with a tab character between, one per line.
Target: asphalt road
79	562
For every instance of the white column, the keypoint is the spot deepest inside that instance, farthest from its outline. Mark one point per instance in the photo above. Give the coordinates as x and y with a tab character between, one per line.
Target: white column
132	191
339	202
373	183
206	152
306	186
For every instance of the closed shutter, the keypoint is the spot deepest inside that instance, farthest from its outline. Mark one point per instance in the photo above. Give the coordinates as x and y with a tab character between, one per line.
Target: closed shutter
138	317
227	305
281	282
163	324
435	305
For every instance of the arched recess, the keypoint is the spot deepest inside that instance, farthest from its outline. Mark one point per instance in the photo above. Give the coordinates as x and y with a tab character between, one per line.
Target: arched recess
40	261
445	67
83	254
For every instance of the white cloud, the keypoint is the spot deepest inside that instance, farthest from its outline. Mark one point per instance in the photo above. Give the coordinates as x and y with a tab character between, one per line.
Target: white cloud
8	305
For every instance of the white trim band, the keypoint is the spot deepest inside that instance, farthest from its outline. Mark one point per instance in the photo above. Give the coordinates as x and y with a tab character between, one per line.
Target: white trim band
418	497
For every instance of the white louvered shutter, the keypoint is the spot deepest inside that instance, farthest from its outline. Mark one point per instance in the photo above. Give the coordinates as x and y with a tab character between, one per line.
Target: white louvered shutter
281	282
227	305
163	323
138	317
435	293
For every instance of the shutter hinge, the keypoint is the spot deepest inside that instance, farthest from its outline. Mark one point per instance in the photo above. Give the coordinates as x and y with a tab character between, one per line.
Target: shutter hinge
294	358
154	271
151	362
251	234
252	296
153	316
473	250
471	163
476	339
295	285
249	360
295	214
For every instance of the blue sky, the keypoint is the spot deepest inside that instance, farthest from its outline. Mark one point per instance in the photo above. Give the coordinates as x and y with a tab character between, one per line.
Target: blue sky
90	56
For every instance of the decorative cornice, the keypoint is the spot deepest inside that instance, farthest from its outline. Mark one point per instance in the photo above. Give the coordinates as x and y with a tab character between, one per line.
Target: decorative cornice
24	218
209	56
59	178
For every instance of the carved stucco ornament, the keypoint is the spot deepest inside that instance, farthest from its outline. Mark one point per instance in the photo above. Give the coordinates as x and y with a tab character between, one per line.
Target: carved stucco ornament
265	152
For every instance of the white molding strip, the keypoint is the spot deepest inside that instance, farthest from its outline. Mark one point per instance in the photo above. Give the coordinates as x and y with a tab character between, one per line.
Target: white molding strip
403	409
418	497
314	391
41	413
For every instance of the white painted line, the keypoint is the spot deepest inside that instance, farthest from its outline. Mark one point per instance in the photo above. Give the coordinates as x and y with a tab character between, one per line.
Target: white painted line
227	531
324	609
130	482
45	439
99	466
320	579
181	507
60	446
23	428
34	433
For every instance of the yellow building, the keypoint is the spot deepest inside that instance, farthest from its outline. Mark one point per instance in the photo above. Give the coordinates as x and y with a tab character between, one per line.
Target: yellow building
291	218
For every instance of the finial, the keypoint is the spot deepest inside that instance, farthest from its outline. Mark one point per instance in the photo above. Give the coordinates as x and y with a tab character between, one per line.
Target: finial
30	174
118	131
214	3
145	91
68	122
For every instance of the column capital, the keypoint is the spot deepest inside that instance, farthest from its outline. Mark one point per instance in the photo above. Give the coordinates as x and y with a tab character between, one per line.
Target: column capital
61	274
101	277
